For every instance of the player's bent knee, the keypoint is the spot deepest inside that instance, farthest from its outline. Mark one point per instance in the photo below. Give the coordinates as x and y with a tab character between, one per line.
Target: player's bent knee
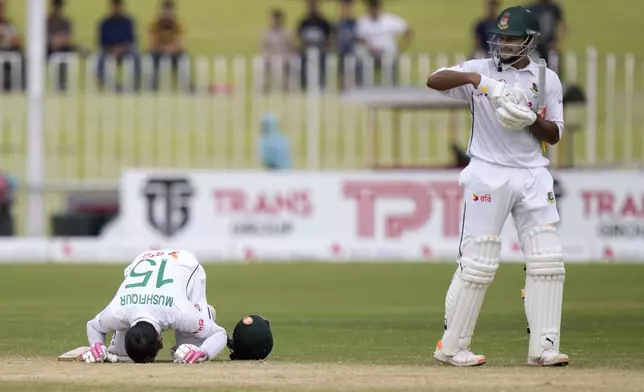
480	260
543	252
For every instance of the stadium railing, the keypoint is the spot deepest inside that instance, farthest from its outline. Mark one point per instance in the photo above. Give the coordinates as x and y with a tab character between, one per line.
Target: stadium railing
209	117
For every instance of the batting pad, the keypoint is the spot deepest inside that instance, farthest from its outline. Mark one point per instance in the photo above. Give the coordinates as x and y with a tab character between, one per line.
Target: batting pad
545	276
475	273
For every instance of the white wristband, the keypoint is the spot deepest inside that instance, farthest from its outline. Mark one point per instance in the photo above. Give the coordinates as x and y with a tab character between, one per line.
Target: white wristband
486	85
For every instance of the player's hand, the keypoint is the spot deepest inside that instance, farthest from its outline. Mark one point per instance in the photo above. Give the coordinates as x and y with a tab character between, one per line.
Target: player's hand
494	89
98	353
514	117
189	353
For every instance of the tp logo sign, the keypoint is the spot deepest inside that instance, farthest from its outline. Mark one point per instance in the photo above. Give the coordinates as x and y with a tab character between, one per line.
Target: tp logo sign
168	204
423	195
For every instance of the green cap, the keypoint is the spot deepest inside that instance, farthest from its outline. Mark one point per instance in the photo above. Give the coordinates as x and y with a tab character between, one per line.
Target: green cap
516	22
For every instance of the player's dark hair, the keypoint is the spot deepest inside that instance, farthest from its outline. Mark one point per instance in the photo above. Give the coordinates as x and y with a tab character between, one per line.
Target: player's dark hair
142	342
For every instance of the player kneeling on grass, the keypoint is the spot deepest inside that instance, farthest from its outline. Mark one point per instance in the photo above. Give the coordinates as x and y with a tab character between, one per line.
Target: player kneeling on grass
507	174
162	289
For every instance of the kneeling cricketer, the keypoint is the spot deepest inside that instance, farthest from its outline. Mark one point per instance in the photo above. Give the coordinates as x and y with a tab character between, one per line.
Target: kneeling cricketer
166	289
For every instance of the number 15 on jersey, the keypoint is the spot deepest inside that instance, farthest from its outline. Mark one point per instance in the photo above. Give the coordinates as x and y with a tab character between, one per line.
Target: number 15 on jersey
143	271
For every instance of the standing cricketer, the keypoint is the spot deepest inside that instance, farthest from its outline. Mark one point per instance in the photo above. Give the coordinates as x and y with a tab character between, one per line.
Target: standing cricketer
166	289
507	174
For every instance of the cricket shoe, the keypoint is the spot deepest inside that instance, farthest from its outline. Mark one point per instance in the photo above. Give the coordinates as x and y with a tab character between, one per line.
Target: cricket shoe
464	357
549	358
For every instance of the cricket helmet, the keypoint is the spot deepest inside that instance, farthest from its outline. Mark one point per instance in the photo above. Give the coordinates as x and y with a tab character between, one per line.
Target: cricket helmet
251	339
514	35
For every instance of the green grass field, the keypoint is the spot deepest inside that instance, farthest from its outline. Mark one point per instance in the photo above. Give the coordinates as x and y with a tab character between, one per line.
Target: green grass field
336	327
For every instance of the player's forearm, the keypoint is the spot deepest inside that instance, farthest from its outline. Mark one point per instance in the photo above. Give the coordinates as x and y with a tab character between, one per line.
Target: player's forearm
215	343
545	131
94	334
446	80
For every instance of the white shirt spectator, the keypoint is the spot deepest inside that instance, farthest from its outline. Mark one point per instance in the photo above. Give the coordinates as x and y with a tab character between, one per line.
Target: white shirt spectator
381	33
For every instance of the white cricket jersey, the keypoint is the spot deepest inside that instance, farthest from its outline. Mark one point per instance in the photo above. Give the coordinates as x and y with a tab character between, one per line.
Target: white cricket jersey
489	141
155	290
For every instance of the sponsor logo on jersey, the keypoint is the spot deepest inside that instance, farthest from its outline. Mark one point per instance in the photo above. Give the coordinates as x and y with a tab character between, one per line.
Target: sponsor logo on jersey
486	198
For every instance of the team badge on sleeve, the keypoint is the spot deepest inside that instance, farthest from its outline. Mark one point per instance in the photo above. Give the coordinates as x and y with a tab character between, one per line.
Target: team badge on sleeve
550	197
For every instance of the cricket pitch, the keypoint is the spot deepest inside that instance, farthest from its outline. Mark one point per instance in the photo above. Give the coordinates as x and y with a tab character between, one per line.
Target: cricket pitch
43	373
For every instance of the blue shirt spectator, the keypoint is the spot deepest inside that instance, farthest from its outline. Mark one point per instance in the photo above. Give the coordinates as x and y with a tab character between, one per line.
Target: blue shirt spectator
117	30
275	149
481	28
117	39
346	30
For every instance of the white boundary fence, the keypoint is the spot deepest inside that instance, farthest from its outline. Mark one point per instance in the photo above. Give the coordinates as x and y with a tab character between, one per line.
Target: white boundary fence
211	118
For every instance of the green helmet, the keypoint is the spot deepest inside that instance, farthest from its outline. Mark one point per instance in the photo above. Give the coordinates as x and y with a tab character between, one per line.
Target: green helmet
514	36
251	339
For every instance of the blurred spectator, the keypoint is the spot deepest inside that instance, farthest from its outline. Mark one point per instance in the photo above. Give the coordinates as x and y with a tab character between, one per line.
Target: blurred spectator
314	32
59	30
59	38
166	41
346	38
10	47
117	40
379	32
481	28
277	45
275	149
8	190
553	28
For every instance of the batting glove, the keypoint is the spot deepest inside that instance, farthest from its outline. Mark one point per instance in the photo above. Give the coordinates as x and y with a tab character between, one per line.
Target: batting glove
189	353
516	96
98	353
514	117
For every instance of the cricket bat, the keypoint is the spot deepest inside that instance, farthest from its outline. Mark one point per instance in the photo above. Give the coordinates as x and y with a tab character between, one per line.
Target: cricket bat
74	355
541	95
